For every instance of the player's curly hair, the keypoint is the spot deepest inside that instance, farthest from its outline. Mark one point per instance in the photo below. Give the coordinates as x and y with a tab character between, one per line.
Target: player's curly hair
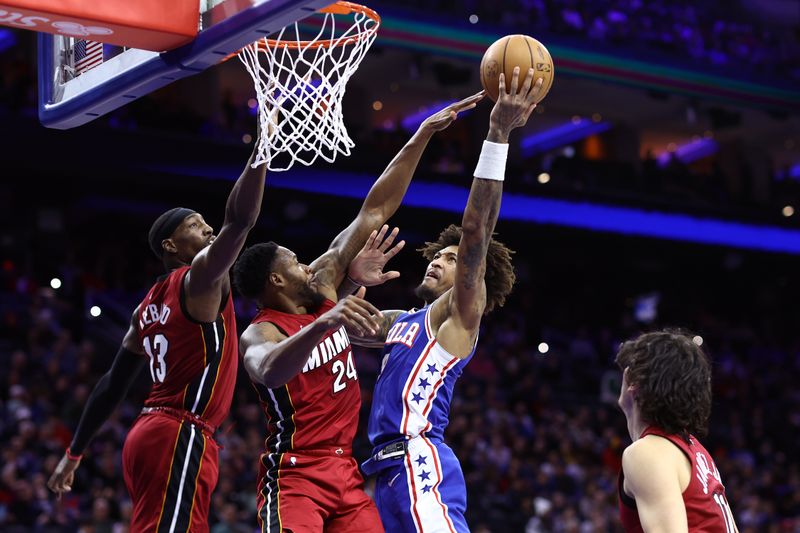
499	275
252	268
672	375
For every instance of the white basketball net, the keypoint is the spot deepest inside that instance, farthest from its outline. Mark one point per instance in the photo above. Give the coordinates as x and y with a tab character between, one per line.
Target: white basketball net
305	82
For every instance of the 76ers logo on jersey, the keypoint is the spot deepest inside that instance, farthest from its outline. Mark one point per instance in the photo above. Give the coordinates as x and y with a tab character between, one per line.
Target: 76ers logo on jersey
403	333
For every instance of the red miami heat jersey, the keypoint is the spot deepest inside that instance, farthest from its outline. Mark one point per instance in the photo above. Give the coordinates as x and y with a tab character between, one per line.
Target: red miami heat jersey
707	508
319	407
193	364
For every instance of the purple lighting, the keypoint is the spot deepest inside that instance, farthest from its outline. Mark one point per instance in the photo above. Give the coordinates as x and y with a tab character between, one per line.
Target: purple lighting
567	133
412	121
7	40
690	152
571	214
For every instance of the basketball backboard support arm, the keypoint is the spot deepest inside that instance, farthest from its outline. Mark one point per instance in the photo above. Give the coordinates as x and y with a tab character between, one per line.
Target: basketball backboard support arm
227	27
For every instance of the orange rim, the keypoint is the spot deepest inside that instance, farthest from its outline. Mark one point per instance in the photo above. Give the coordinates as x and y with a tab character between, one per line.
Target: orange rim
337	8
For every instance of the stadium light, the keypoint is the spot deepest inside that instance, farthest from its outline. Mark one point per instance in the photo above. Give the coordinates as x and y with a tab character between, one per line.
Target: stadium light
543	348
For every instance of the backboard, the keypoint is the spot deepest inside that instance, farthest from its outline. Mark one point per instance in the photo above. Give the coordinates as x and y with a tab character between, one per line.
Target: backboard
80	80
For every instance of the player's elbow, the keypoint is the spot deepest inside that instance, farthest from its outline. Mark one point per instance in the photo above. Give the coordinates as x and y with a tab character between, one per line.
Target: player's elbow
260	370
472	227
271	383
271	376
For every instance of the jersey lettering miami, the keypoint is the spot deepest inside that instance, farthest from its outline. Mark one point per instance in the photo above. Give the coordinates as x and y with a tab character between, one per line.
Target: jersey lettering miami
414	389
318	408
315	410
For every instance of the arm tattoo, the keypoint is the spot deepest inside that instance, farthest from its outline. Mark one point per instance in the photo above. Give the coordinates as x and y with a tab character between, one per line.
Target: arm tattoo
349	251
377	340
483	209
326	274
389	318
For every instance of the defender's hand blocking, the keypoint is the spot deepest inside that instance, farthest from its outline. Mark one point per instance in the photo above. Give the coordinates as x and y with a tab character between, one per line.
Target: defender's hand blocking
358	315
513	108
61	480
442	119
366	269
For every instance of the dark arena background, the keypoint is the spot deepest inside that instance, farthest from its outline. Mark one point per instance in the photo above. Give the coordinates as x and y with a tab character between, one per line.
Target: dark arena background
658	184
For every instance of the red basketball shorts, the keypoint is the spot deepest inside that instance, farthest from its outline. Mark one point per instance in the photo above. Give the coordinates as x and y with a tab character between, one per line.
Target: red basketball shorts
170	470
311	492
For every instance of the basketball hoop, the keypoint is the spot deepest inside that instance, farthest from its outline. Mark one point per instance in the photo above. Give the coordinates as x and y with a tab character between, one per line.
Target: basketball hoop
306	79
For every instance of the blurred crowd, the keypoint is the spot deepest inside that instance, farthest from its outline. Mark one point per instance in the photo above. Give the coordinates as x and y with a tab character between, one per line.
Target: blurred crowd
537	430
715	33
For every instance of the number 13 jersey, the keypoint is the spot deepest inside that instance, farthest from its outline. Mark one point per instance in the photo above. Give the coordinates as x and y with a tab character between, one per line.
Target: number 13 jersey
192	364
318	408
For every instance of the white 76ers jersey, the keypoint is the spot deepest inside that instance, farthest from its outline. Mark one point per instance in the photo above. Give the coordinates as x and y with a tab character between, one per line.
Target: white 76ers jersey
413	392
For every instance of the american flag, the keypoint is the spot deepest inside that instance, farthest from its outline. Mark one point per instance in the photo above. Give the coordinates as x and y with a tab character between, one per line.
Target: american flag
88	54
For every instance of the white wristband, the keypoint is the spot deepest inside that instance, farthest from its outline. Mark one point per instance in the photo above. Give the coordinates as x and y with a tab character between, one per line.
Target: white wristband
492	162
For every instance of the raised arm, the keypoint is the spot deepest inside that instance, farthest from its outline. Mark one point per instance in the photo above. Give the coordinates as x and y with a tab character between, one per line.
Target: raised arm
385	195
467	300
272	359
103	401
210	267
366	268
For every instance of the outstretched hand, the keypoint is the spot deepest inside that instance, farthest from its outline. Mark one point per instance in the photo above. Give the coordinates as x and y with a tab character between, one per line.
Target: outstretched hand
366	269
442	119
358	316
513	108
61	480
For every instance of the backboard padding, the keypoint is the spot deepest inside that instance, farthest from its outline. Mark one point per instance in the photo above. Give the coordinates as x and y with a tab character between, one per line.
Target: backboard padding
226	28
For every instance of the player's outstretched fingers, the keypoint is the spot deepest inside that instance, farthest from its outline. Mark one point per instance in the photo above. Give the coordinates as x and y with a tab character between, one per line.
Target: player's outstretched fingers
502	85
389	240
354	318
370	240
526	85
468	102
515	81
534	92
345	316
381	235
391	252
364	306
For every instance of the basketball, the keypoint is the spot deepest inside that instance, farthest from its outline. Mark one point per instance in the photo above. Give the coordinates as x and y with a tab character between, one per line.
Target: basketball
516	51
